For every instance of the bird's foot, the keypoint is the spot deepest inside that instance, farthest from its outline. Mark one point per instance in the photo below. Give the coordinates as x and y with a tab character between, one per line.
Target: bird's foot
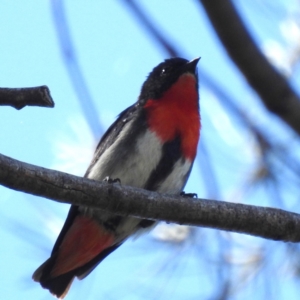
188	195
110	180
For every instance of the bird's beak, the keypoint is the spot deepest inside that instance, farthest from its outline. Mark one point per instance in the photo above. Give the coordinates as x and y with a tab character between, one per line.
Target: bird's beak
191	65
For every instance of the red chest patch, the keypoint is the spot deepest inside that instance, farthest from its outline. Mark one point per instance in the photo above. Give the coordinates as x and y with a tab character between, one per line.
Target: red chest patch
177	113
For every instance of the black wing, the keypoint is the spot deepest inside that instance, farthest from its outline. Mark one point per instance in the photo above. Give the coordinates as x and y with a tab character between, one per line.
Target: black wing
112	133
106	141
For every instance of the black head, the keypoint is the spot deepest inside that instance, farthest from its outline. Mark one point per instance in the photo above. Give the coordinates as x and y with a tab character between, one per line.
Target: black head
164	75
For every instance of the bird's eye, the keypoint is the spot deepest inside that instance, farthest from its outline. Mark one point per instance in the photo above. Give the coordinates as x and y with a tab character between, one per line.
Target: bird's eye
163	72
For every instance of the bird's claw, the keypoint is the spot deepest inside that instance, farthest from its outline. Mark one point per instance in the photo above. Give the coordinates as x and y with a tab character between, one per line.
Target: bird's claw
189	195
110	180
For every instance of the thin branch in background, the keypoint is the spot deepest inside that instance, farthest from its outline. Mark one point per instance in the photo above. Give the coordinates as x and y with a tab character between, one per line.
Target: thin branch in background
151	28
266	144
223	293
21	97
71	62
208	174
272	87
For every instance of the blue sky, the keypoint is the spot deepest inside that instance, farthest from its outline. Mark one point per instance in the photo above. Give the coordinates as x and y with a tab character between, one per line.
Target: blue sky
115	55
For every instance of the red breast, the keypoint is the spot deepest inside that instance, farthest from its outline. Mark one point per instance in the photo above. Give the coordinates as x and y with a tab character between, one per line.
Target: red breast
177	112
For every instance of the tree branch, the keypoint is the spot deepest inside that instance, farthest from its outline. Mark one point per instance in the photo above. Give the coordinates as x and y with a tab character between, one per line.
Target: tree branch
268	223
272	87
20	97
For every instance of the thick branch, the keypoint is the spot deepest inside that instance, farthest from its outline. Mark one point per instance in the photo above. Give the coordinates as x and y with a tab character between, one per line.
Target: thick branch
269	223
271	86
19	98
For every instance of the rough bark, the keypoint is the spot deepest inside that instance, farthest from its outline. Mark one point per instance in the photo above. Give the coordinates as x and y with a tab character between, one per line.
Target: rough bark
264	222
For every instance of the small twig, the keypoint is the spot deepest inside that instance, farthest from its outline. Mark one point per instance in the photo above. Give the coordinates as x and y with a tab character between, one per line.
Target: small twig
21	97
264	222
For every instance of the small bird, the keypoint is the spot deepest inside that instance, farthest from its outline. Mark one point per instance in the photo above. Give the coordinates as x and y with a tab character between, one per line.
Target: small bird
151	145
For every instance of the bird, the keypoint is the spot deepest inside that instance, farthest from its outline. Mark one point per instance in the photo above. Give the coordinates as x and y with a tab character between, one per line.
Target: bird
151	145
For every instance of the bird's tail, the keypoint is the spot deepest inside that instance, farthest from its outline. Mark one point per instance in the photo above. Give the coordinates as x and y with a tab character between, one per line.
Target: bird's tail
84	245
57	286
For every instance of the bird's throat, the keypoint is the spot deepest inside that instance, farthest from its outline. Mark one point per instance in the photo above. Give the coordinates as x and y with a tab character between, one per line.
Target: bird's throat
177	113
